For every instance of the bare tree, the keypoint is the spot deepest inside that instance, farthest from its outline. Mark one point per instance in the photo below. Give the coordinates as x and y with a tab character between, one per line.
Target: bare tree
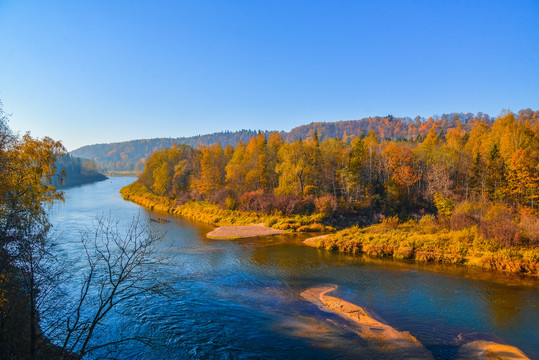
120	265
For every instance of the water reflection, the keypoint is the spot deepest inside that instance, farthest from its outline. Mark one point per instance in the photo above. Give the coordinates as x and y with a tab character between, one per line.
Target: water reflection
241	298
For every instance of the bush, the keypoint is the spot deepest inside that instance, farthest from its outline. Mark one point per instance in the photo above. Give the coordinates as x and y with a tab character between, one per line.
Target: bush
183	198
465	215
270	203
504	232
529	224
300	206
225	199
326	205
498	225
310	190
445	206
390	222
230	202
258	201
428	223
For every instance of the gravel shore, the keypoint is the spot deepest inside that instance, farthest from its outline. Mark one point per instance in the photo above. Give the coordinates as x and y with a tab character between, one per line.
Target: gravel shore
240	232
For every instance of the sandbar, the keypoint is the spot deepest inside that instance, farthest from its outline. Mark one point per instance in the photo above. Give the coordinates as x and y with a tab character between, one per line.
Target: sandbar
384	337
488	350
244	231
314	241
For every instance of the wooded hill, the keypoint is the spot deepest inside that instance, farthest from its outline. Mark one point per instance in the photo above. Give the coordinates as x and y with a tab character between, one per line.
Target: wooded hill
129	156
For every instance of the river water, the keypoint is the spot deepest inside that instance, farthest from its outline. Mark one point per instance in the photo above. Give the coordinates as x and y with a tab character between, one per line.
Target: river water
241	299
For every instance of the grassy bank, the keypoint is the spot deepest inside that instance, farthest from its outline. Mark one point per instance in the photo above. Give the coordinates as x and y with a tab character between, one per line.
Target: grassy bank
211	214
421	242
122	173
415	240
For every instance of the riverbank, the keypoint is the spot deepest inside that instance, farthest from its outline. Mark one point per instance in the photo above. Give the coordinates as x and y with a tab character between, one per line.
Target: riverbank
211	214
384	338
414	241
78	180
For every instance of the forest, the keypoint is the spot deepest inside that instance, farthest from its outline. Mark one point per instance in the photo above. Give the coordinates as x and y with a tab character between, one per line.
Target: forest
481	175
129	156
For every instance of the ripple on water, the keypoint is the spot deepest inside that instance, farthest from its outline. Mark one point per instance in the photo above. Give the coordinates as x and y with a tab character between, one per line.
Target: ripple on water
240	299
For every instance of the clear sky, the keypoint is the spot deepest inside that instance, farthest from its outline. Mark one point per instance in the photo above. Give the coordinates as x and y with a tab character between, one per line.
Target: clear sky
89	72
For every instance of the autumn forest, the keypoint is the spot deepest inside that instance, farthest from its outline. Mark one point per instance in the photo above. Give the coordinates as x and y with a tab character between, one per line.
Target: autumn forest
481	178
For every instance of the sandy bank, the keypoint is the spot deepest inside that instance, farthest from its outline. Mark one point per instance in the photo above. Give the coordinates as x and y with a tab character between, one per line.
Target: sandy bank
401	344
314	241
240	232
488	350
385	338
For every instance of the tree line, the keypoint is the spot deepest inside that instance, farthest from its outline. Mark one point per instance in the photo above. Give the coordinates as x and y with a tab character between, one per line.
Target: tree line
130	155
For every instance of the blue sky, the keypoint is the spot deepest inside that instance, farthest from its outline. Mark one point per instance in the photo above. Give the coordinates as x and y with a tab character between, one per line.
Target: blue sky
89	72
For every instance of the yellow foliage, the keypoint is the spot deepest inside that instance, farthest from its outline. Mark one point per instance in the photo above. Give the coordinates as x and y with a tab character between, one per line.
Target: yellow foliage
211	214
406	241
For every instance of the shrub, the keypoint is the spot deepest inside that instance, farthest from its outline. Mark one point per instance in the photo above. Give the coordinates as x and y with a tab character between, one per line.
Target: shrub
183	198
498	212
428	223
326	205
504	232
230	202
310	190
465	215
301	206
225	199
498	225
390	222
258	201
445	206
529	224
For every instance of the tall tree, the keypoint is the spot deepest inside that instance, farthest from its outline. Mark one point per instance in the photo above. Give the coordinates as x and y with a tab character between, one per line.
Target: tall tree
27	166
400	161
295	168
212	174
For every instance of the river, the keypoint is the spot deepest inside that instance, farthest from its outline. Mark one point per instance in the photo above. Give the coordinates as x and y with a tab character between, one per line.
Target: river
241	299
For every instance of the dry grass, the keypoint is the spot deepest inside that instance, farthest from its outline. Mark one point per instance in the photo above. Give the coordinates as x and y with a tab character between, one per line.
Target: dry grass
211	214
422	242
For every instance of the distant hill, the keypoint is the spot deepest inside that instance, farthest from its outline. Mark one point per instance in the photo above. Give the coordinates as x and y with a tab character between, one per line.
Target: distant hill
129	156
